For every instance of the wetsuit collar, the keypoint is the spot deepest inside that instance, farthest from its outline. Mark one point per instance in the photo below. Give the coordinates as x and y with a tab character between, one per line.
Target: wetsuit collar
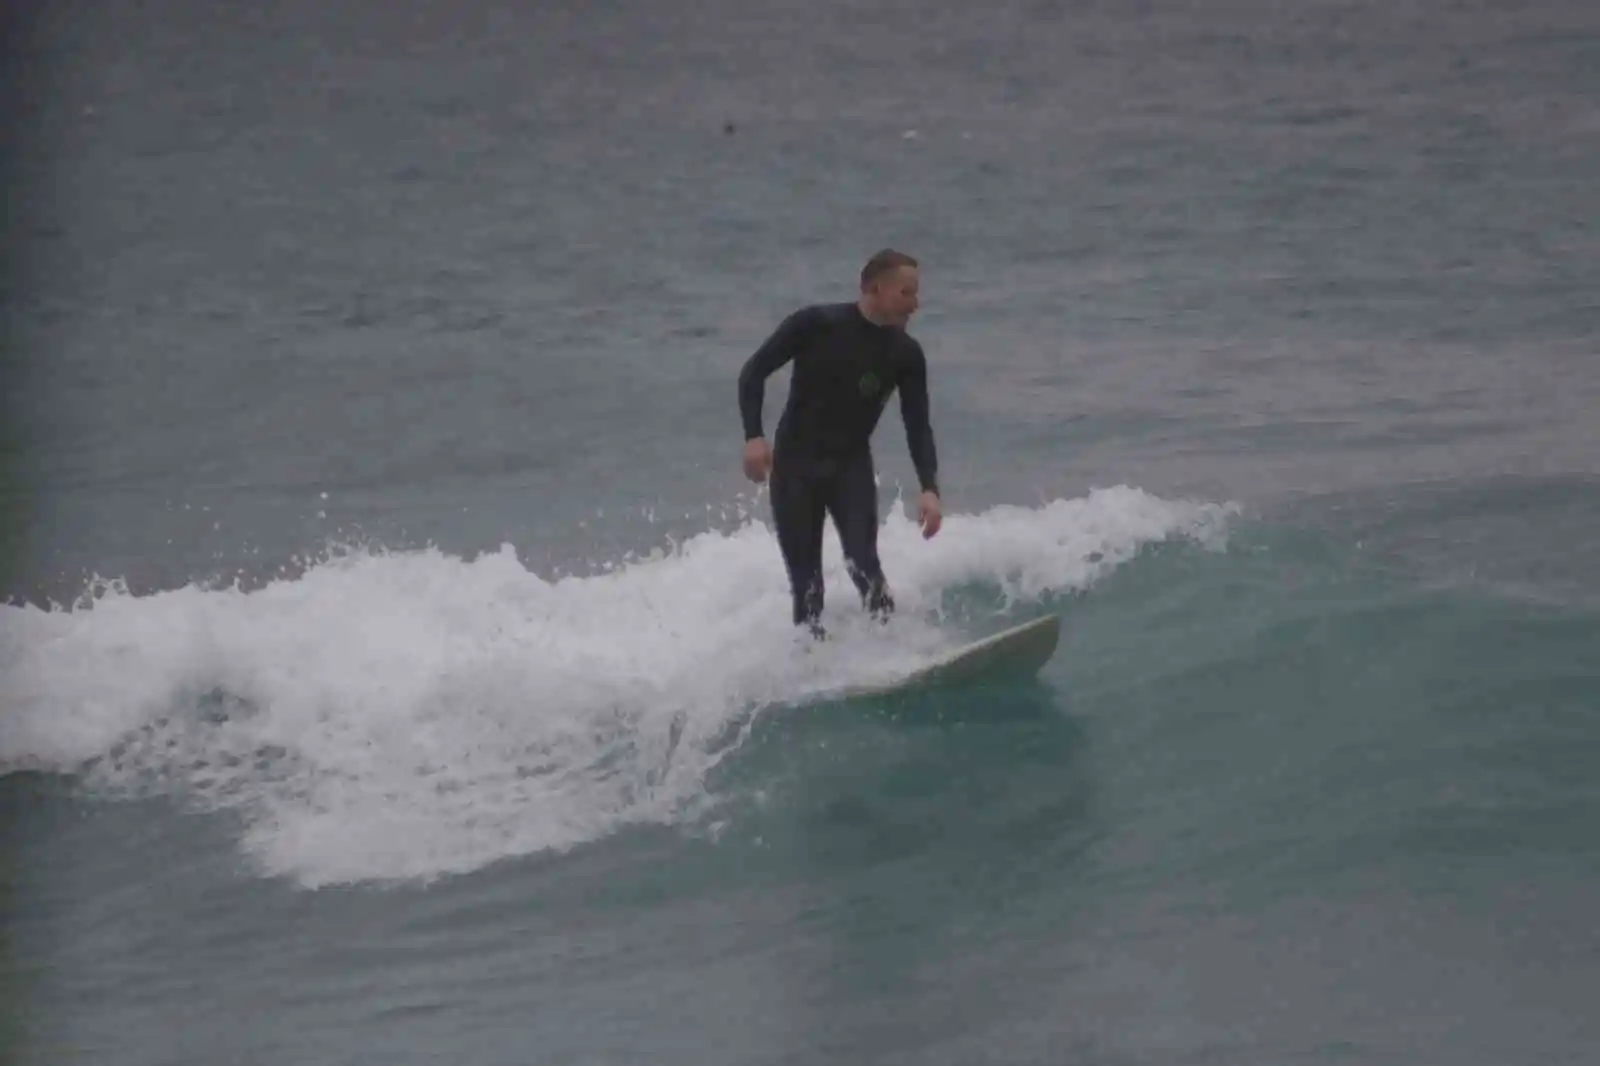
862	315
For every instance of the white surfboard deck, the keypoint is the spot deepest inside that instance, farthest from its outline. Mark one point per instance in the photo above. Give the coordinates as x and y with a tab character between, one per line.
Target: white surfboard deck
1022	649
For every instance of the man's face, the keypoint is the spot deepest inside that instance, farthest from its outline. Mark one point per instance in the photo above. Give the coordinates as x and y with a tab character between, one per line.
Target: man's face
894	295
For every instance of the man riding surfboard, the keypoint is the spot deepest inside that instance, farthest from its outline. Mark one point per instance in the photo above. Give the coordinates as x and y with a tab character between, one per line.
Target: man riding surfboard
849	358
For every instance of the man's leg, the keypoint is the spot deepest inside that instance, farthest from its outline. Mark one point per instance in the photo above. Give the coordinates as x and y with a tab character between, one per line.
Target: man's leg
854	506
797	512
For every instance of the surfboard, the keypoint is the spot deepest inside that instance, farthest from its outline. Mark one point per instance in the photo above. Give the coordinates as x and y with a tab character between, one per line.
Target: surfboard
1021	650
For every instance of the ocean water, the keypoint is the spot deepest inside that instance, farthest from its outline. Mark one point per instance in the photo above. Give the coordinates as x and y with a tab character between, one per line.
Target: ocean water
395	665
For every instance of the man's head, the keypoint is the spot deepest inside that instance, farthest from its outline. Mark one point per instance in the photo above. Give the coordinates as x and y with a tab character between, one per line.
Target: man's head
889	288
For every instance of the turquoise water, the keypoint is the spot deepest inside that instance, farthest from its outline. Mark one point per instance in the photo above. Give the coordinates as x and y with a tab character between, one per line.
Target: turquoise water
396	665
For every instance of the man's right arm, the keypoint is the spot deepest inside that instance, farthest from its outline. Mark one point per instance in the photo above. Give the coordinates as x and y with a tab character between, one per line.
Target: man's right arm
777	350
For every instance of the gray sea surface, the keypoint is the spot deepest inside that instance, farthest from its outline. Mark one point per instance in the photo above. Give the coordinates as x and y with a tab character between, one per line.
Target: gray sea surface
397	667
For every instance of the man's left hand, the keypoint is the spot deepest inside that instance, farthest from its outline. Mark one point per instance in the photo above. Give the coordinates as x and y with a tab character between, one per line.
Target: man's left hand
928	514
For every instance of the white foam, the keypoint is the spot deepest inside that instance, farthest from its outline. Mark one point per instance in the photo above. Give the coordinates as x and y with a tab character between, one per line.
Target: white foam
413	714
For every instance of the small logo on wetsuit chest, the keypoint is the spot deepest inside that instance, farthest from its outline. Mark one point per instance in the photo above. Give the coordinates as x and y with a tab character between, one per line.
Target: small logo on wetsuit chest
869	384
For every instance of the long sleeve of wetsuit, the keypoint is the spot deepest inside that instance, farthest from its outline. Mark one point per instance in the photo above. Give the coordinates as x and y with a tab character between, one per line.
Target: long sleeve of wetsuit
919	428
774	352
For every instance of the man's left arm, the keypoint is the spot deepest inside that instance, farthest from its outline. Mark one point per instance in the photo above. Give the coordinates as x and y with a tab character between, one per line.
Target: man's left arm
919	427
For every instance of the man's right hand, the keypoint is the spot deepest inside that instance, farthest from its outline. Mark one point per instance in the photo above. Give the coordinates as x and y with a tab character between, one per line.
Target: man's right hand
757	458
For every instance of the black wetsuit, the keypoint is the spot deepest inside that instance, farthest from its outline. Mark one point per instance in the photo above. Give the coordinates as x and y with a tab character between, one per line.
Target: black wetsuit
845	368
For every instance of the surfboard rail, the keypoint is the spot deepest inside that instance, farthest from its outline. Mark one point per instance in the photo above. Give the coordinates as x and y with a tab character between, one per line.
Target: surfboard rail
1020	649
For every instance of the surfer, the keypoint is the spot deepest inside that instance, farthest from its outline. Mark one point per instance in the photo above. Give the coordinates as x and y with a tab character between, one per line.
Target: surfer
848	359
